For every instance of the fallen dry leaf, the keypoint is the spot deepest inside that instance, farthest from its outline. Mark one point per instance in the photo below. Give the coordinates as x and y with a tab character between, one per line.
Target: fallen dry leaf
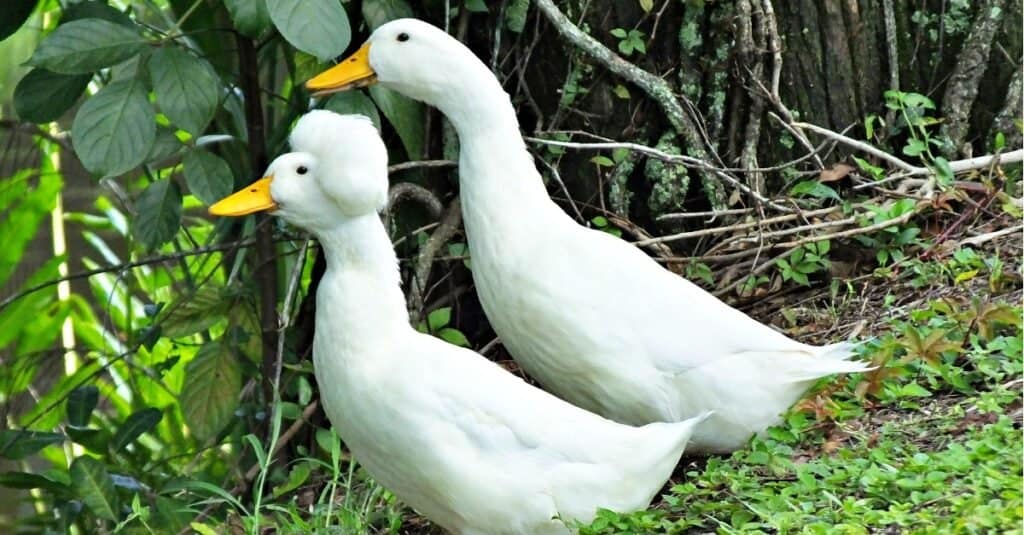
835	173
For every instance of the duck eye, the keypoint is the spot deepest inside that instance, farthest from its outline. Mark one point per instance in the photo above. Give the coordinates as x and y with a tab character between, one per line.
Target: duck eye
403	37
301	170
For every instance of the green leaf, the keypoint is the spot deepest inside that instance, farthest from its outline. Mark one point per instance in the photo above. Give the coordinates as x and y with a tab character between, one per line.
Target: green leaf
95	440
159	214
319	27
86	46
187	90
453	336
251	17
439	318
619	32
13	16
813	188
515	15
28	481
476	6
202	529
95	9
134	426
377	12
353	103
646	5
16	444
296	477
914	147
165	145
43	96
91	482
210	395
114	130
195	313
207	175
405	115
944	171
81	402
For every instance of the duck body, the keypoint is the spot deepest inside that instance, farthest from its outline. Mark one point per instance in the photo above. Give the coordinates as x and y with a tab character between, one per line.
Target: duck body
600	324
470	446
462	441
590	316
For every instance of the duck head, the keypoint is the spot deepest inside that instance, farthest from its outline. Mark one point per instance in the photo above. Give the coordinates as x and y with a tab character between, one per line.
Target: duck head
412	57
338	171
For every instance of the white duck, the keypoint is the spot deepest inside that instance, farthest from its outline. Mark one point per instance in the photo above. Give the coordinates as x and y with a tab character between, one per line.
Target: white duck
591	317
467	444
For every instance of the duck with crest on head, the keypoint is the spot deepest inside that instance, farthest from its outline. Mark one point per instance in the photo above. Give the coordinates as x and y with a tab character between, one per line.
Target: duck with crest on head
591	317
467	444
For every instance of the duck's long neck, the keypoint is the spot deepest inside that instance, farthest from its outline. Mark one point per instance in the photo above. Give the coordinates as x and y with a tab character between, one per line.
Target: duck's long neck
496	173
360	295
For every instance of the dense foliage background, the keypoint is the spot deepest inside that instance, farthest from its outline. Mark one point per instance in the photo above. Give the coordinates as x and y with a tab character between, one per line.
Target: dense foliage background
832	167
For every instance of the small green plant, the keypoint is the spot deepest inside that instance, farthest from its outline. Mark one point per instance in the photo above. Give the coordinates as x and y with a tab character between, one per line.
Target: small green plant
889	242
700	271
807	259
630	41
437	324
601	223
914	111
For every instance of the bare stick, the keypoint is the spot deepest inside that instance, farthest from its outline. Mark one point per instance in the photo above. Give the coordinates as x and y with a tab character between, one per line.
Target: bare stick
420	164
863	147
448	227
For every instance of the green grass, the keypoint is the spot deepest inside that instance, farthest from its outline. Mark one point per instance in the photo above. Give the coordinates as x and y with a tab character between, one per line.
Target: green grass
928	443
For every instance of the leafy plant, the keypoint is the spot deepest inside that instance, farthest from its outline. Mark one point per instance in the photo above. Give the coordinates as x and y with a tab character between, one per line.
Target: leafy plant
630	41
808	259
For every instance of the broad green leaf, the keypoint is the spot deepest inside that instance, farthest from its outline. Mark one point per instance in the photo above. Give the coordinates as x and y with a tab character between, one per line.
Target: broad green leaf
405	115
95	9
158	214
308	66
43	96
353	103
165	145
515	15
377	12
476	6
187	90
114	130
296	477
207	175
86	46
319	27
210	395
453	336
194	313
28	481
95	440
646	5
814	188
81	402
251	17
16	444
13	15
134	426
91	483
439	318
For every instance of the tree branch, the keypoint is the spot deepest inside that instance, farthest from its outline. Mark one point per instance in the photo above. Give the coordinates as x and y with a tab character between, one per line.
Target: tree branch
265	264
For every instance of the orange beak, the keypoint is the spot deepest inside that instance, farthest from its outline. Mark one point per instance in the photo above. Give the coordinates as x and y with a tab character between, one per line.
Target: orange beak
255	198
354	71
